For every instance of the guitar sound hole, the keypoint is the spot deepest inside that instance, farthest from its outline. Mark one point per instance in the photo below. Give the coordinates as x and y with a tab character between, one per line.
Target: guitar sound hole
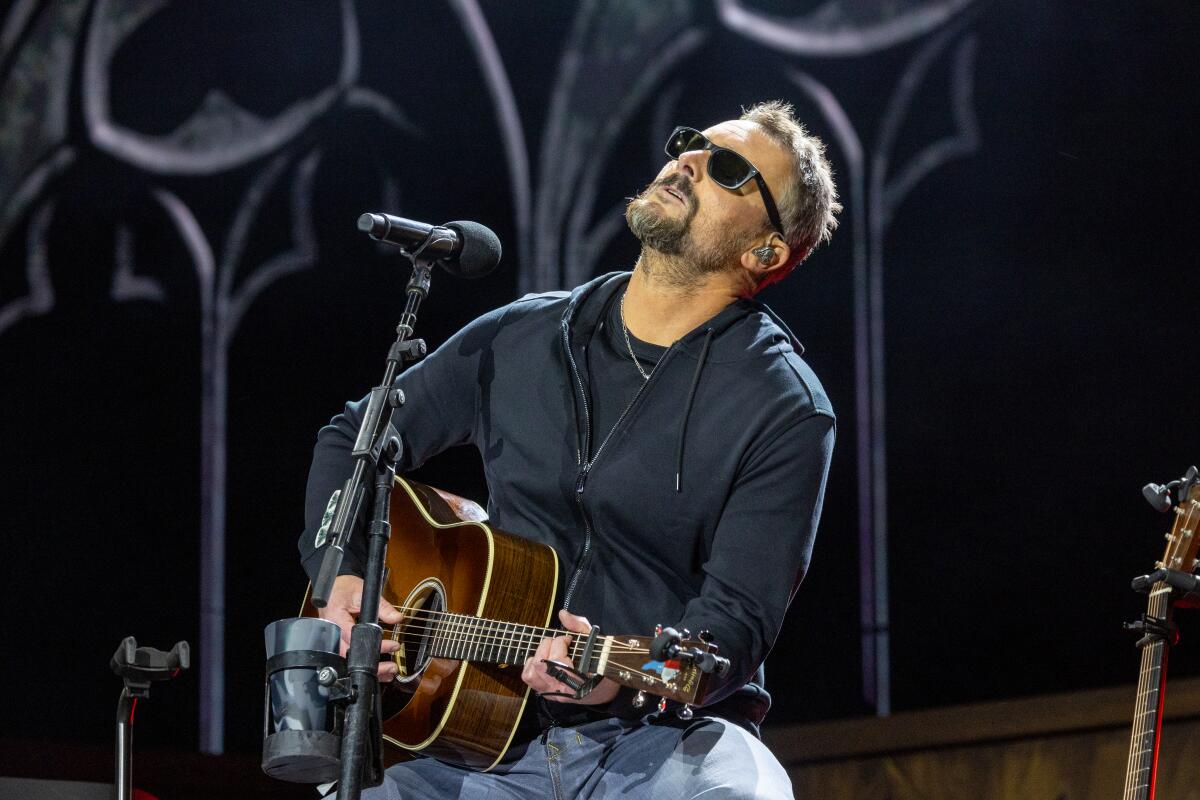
416	639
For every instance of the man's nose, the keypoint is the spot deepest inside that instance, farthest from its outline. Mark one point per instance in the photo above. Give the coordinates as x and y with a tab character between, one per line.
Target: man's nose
692	163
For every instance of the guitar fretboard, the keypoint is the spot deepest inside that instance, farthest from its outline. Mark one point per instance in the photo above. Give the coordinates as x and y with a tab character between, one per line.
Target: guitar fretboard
1147	714
467	638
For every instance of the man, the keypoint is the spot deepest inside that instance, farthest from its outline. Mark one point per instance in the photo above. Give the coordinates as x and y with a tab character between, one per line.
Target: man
660	431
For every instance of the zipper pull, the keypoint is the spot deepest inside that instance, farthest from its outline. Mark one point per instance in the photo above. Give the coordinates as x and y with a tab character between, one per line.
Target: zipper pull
579	482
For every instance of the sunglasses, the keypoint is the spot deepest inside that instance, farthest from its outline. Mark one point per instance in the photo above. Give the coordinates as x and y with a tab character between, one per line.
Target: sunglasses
726	167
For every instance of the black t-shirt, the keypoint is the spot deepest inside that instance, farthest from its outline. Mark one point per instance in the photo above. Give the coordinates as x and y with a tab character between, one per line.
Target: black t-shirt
615	379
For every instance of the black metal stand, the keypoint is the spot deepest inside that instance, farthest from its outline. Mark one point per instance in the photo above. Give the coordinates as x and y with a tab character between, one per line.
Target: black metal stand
377	449
139	667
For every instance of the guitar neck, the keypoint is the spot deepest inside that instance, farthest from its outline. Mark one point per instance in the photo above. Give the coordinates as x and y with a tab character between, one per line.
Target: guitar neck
624	659
489	641
1140	773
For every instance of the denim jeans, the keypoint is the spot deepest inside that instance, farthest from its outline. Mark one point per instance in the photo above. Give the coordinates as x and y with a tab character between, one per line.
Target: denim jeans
610	758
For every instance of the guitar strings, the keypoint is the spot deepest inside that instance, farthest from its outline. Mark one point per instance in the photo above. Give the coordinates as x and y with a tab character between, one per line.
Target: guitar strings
443	636
457	624
455	628
460	630
575	650
528	629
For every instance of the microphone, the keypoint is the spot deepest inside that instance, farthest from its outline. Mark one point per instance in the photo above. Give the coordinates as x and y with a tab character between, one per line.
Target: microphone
466	249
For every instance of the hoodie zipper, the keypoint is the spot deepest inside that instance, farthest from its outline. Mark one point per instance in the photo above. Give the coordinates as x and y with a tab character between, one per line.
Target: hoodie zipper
586	465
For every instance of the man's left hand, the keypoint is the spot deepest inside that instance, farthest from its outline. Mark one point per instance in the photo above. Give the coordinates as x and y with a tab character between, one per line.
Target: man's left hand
556	649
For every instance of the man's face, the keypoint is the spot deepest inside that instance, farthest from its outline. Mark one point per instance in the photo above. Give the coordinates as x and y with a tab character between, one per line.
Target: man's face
684	213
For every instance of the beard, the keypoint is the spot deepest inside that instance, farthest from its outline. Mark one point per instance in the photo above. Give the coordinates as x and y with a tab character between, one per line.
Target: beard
650	223
676	258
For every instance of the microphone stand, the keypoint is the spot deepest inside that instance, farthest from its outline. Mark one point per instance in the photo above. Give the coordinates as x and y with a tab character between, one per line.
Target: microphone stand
377	449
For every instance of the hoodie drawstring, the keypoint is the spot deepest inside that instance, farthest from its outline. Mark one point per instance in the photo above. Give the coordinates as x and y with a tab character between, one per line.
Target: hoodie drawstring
687	410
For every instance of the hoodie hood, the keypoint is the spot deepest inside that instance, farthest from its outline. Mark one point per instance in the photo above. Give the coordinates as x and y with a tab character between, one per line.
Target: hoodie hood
587	302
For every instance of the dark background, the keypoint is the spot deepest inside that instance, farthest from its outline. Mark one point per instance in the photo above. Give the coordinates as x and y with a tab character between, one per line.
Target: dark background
1041	296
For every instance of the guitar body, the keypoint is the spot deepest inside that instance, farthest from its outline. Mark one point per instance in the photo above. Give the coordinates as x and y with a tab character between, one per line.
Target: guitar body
444	557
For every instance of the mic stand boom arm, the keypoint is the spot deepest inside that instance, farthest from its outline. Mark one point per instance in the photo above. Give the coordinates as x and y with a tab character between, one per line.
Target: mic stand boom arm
377	448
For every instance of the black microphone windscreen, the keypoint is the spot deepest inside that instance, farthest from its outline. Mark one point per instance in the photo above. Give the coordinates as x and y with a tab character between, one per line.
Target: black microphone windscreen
480	250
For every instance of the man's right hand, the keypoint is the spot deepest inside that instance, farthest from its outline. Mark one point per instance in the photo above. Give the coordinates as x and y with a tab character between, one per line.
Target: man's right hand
345	601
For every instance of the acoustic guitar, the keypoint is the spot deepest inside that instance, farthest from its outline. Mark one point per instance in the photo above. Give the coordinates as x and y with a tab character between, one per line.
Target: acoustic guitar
477	602
1158	629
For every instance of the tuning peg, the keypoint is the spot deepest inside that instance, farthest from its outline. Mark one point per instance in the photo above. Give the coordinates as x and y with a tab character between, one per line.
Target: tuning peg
639	700
705	636
685	634
662	705
684	713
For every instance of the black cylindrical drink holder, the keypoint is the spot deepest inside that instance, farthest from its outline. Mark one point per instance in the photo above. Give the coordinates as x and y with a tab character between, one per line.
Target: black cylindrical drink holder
302	725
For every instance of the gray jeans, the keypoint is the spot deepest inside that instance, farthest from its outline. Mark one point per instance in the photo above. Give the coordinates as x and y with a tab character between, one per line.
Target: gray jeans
708	758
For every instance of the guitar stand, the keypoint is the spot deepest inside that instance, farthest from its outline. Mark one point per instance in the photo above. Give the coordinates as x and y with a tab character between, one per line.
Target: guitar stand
139	667
1156	629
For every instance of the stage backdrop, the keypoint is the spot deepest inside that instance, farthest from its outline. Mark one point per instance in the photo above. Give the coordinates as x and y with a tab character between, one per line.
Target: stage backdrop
1005	319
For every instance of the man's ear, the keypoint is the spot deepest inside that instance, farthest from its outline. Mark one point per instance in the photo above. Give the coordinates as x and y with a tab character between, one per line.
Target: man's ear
766	258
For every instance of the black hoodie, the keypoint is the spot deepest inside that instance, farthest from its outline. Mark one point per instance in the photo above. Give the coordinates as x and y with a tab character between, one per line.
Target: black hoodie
697	510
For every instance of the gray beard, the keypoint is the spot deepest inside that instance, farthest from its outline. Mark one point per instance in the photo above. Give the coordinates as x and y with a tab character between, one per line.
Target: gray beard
657	230
668	253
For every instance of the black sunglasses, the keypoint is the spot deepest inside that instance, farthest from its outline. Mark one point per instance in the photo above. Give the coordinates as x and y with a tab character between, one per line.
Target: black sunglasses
726	167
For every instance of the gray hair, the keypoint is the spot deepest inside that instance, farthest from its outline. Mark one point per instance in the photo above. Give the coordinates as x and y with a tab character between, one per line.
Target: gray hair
810	201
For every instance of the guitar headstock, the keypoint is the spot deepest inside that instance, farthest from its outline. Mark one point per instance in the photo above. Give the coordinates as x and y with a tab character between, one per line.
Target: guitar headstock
1183	541
629	663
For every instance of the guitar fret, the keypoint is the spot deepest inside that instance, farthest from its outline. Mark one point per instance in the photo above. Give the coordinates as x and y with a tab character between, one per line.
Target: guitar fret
469	639
459	640
447	635
476	640
493	651
527	650
448	642
436	627
443	633
501	640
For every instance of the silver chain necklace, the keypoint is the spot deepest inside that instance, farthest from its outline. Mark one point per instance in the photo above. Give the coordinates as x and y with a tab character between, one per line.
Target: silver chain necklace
629	347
